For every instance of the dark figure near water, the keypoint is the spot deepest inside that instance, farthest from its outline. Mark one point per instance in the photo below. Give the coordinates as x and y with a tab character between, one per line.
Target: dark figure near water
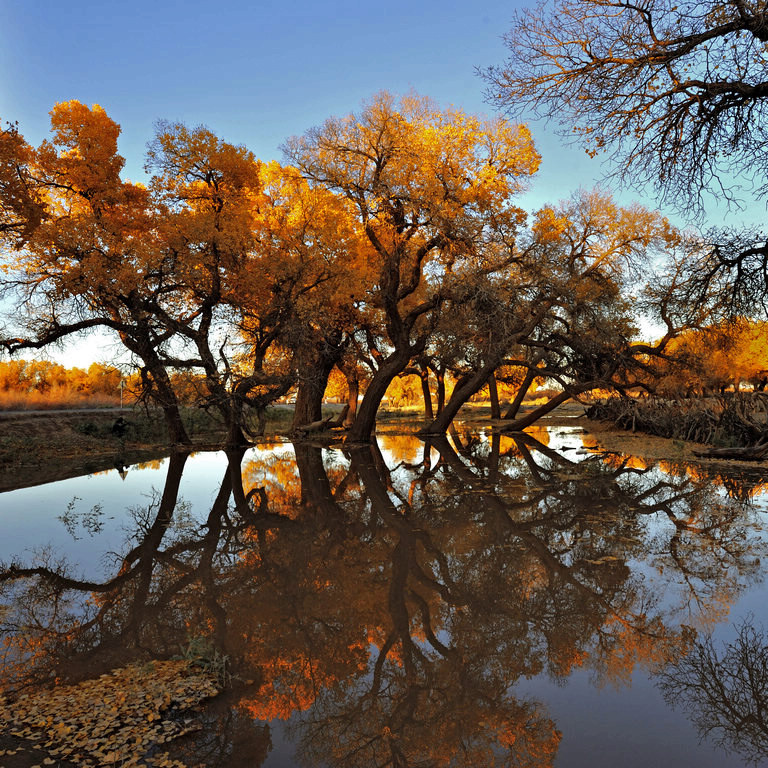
120	427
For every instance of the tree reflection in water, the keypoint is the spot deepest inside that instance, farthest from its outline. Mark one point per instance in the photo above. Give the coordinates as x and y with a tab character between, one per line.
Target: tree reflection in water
388	611
725	695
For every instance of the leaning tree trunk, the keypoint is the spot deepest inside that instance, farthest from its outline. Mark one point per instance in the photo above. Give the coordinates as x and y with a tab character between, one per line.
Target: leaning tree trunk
536	414
466	387
514	407
362	430
162	393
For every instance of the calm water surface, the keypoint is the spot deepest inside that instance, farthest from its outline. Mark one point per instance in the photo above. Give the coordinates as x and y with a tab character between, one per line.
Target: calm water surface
481	600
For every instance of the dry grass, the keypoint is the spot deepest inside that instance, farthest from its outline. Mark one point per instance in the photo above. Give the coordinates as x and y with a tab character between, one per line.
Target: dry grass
56	398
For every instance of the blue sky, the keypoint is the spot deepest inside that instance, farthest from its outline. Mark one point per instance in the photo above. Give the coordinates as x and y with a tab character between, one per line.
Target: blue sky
256	73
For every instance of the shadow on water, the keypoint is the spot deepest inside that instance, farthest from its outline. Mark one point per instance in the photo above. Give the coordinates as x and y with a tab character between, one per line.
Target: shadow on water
381	604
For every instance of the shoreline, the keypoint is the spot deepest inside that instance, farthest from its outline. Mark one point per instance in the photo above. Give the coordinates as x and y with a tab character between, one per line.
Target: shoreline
39	447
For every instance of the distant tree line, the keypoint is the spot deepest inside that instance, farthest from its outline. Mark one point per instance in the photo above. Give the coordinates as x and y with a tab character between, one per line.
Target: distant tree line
40	383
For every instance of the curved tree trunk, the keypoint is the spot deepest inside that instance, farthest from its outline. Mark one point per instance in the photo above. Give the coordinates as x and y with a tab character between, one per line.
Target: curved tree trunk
362	430
466	387
525	385
536	414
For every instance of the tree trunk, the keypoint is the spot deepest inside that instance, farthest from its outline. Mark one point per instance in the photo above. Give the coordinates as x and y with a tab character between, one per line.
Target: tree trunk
315	426
161	391
234	420
155	379
362	430
493	394
353	393
165	397
313	380
308	406
535	415
525	385
236	437
426	394
175	426
466	387
440	376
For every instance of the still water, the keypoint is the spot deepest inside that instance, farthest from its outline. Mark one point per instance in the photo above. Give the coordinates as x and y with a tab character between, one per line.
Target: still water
479	600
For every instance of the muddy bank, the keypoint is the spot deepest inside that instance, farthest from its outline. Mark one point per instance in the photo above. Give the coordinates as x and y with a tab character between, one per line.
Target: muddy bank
42	447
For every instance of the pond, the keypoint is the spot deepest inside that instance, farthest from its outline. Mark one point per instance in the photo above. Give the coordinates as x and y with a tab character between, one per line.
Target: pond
477	600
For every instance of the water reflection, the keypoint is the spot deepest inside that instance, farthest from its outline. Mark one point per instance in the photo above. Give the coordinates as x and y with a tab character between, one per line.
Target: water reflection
726	695
387	608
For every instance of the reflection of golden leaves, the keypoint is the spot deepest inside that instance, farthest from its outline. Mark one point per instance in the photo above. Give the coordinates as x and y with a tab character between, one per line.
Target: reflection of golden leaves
407	448
538	432
117	719
150	464
619	460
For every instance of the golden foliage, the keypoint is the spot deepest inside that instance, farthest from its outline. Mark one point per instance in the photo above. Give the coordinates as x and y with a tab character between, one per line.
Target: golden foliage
716	357
43	384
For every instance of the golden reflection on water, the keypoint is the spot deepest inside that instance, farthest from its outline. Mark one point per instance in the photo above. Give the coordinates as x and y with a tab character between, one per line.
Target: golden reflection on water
386	601
739	481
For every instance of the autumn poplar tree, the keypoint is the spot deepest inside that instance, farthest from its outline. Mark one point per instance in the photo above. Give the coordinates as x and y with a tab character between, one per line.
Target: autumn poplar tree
208	194
259	258
427	185
562	309
312	263
21	204
81	246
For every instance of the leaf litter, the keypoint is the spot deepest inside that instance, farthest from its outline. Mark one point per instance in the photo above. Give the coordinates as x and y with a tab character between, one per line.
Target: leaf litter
122	718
